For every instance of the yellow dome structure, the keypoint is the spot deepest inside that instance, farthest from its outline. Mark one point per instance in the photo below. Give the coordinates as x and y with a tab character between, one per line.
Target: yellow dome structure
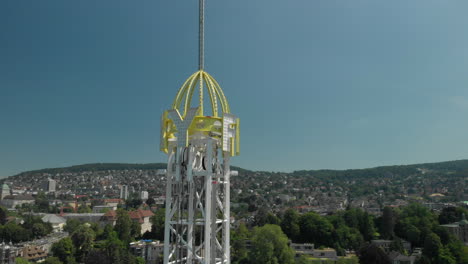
202	125
203	79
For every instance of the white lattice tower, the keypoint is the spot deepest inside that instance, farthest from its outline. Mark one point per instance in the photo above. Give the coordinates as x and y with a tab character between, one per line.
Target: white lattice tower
197	224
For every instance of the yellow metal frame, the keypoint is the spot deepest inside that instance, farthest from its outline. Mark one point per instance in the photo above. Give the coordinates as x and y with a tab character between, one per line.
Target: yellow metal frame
203	79
203	125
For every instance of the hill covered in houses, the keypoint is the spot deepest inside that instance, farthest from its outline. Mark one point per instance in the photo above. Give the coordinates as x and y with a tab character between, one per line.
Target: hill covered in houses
388	212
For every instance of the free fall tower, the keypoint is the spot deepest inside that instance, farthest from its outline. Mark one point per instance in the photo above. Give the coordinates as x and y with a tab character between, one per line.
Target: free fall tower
200	142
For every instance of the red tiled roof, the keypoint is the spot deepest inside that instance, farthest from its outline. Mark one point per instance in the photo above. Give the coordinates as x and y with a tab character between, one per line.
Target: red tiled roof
137	215
146	213
112	200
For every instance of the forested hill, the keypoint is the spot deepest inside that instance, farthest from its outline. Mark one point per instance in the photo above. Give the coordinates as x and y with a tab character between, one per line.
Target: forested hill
457	166
106	167
100	167
446	167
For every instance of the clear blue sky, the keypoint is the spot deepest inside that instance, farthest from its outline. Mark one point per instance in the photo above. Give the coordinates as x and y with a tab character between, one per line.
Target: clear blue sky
316	83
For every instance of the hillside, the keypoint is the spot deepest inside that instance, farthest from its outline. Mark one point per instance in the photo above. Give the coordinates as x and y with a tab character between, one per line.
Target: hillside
456	166
328	190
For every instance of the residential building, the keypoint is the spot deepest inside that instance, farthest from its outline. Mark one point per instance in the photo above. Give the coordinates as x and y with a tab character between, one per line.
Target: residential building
33	253
398	258
57	222
459	229
144	195
5	191
51	185
303	249
385	244
124	192
87	218
140	216
150	251
8	253
325	254
11	201
103	208
112	202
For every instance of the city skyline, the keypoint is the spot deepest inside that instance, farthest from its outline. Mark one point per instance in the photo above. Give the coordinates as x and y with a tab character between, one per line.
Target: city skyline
317	84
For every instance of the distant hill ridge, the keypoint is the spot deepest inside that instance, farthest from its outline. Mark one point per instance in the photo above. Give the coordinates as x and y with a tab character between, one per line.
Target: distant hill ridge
446	166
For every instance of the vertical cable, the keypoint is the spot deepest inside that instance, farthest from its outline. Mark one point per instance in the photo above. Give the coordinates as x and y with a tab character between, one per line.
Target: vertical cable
201	35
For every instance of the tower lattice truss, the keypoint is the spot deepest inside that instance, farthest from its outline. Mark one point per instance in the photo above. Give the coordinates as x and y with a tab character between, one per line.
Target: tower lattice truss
199	142
198	204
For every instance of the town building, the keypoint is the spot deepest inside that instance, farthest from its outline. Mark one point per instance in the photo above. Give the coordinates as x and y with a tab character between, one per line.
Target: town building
325	254
144	195
303	249
150	251
459	229
124	192
5	191
140	216
86	218
57	222
8	253
33	253
385	244
51	185
103	208
398	258
112	202
11	201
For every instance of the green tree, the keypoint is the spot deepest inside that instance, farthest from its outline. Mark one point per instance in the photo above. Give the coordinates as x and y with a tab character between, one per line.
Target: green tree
372	254
135	229
270	246
15	233
3	215
83	239
445	257
140	260
388	223
316	229
451	214
83	209
123	226
71	225
36	226
302	260
134	203
347	238
157	221
432	246
260	218
412	234
41	202
413	221
52	260
352	260
39	230
63	249
238	239
397	245
361	220
97	256
272	219
464	255
290	224
106	232
114	247
150	201
20	260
